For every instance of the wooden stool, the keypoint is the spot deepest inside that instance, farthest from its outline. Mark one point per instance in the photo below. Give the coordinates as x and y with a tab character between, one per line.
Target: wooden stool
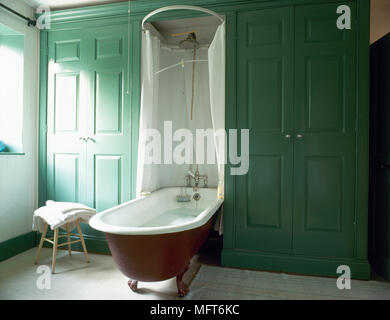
54	242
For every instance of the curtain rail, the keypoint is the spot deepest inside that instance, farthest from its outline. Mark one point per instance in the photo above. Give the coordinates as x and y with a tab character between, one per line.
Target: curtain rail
30	22
180	7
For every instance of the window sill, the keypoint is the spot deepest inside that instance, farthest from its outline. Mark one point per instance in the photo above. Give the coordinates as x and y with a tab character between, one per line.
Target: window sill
12	153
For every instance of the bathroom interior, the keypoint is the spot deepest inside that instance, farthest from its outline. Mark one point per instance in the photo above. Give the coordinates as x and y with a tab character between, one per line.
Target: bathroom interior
123	134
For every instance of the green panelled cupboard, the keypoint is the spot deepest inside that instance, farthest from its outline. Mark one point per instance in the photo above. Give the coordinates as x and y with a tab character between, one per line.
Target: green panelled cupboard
88	118
88	114
297	209
292	77
379	252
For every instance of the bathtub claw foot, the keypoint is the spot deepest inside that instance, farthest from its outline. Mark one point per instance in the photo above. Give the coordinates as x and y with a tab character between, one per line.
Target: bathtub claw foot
133	284
182	288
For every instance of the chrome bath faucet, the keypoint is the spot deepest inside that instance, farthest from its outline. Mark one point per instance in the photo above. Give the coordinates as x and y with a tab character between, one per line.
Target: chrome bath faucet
197	178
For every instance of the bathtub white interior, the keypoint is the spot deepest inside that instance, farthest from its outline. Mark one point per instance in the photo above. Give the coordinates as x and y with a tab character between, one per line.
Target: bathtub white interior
131	217
141	211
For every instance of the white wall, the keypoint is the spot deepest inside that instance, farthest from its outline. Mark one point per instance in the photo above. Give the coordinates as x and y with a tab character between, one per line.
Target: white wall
19	173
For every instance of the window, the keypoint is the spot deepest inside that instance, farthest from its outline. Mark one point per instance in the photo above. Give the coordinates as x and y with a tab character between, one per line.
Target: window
11	89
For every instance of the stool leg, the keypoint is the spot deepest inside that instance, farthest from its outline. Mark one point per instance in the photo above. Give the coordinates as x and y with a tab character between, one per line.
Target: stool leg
69	245
41	242
53	266
82	240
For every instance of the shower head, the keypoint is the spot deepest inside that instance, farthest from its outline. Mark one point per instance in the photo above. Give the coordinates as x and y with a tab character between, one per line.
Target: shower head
189	42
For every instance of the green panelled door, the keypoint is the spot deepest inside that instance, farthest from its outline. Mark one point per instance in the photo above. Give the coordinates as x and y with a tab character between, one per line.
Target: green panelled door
265	106
89	129
109	153
324	139
296	94
66	116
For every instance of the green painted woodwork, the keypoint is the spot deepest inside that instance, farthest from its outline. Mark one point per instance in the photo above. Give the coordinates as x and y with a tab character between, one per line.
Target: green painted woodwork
325	115
140	8
317	102
379	155
265	106
19	244
274	59
42	142
303	186
230	123
362	129
310	265
87	97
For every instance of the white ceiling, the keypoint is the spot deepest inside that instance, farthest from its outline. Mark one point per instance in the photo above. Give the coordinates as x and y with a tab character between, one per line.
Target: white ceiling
66	4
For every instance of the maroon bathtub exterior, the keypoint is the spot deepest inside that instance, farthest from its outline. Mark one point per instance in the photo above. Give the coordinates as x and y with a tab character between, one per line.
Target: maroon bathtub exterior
156	257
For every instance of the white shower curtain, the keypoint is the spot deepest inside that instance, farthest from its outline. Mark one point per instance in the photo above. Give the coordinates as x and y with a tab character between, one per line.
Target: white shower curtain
216	57
150	64
166	96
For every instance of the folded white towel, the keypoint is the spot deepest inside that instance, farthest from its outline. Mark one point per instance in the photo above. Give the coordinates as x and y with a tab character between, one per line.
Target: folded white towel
66	207
56	218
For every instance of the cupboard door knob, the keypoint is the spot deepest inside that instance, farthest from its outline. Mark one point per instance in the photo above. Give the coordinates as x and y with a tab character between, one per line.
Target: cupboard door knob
299	136
82	138
288	136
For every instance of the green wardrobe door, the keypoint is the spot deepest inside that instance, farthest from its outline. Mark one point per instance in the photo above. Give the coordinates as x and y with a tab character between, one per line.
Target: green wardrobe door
66	115
88	82
324	139
109	150
265	101
108	159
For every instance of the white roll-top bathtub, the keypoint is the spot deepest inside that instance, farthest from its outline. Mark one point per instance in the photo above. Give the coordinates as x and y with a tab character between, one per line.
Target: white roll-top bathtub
159	213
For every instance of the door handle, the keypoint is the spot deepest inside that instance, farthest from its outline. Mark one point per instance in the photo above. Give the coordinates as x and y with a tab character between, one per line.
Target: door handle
90	138
299	136
288	136
83	138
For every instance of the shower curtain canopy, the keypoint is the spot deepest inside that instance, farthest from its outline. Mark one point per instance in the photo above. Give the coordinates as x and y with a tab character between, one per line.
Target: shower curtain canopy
166	129
180	7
